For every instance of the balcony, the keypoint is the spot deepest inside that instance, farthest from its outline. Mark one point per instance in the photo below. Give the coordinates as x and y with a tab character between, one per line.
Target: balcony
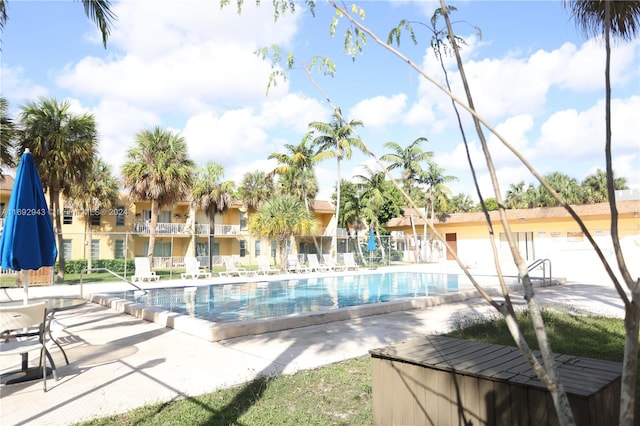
182	229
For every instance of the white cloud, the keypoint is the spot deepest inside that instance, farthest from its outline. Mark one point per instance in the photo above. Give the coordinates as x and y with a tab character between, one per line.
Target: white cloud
380	111
16	86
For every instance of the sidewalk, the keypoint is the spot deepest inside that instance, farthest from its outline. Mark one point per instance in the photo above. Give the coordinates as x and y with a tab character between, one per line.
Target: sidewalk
119	362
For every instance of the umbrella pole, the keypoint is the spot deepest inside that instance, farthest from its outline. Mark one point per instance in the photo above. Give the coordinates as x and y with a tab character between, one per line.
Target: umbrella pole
25	285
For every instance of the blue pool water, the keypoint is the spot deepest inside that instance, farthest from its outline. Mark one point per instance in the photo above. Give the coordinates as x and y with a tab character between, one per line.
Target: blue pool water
266	299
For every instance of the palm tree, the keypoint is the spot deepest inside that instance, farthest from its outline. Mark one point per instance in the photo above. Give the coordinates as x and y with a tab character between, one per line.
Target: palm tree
437	192
620	19
99	192
7	135
408	159
99	11
460	203
255	188
516	196
157	169
594	187
374	191
295	169
336	139
213	196
566	186
281	218
64	147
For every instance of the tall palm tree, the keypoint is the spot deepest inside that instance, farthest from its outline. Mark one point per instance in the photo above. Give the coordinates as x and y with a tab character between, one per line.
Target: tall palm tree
622	20
99	11
336	139
295	169
460	203
281	218
374	193
408	160
157	169
594	187
63	146
255	188
437	192
7	136
99	192
213	196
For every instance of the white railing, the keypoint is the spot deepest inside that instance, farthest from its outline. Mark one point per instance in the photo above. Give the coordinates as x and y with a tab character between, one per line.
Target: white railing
182	228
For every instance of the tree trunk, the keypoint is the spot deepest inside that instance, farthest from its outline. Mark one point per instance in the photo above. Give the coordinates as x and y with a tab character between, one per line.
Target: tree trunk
55	210
334	240
152	230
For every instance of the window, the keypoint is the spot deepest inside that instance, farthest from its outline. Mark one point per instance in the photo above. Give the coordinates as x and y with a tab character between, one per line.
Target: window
95	249
575	237
118	251
66	249
257	249
95	218
243	248
201	249
2	211
67	216
243	220
164	216
121	212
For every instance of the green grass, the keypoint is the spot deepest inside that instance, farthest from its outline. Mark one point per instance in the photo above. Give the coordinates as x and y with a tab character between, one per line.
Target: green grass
340	394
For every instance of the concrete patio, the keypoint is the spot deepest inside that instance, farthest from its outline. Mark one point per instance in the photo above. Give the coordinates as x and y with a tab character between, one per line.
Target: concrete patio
119	362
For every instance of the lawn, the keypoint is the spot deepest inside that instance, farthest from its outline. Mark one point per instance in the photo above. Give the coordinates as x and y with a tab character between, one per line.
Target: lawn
340	394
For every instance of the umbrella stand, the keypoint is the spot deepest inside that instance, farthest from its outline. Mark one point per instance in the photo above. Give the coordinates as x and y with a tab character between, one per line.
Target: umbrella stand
25	286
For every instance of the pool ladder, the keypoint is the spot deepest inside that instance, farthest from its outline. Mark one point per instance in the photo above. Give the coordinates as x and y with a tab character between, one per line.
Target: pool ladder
537	264
112	273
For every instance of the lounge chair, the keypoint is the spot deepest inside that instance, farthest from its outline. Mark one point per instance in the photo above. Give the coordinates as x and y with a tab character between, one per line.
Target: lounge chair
314	264
232	269
143	271
293	264
193	269
330	263
17	339
349	262
264	267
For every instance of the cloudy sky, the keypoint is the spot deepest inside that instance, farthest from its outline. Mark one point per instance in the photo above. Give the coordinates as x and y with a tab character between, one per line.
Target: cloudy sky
191	66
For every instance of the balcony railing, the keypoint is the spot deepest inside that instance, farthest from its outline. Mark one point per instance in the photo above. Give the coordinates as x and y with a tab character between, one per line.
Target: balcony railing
182	228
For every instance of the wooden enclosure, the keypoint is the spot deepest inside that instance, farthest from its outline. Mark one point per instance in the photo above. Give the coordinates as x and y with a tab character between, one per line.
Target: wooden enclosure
438	380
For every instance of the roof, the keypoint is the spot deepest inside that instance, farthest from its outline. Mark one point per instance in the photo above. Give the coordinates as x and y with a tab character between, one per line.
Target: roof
540	213
6	183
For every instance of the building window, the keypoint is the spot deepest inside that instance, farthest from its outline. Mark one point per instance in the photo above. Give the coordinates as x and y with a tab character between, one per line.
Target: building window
95	249
95	218
67	216
2	210
243	248
118	251
575	237
121	212
257	250
244	220
164	216
66	249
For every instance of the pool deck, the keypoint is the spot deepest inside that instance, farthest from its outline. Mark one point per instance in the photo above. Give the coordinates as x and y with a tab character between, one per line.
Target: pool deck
119	362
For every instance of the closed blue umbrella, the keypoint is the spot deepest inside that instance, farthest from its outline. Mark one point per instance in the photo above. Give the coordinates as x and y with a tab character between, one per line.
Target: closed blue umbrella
27	240
371	246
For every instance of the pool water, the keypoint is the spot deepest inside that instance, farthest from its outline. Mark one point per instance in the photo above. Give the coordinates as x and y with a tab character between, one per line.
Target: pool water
267	299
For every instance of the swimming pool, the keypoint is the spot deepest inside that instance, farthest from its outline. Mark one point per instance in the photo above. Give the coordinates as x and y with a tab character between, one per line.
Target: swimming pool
224	303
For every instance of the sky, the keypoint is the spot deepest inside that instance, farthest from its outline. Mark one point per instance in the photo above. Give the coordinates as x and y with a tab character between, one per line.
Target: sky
190	66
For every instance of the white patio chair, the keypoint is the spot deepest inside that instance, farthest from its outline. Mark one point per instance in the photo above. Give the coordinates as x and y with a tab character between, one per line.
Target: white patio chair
264	267
16	339
232	269
294	265
143	271
330	262
193	269
315	265
349	262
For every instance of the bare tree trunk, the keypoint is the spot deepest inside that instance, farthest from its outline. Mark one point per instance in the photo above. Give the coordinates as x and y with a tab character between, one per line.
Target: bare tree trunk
153	224
55	210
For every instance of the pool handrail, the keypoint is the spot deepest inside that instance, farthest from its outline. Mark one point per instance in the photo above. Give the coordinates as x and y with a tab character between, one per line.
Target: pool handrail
86	270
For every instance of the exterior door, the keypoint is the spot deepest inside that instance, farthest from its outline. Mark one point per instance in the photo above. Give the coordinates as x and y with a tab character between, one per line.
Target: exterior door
453	243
